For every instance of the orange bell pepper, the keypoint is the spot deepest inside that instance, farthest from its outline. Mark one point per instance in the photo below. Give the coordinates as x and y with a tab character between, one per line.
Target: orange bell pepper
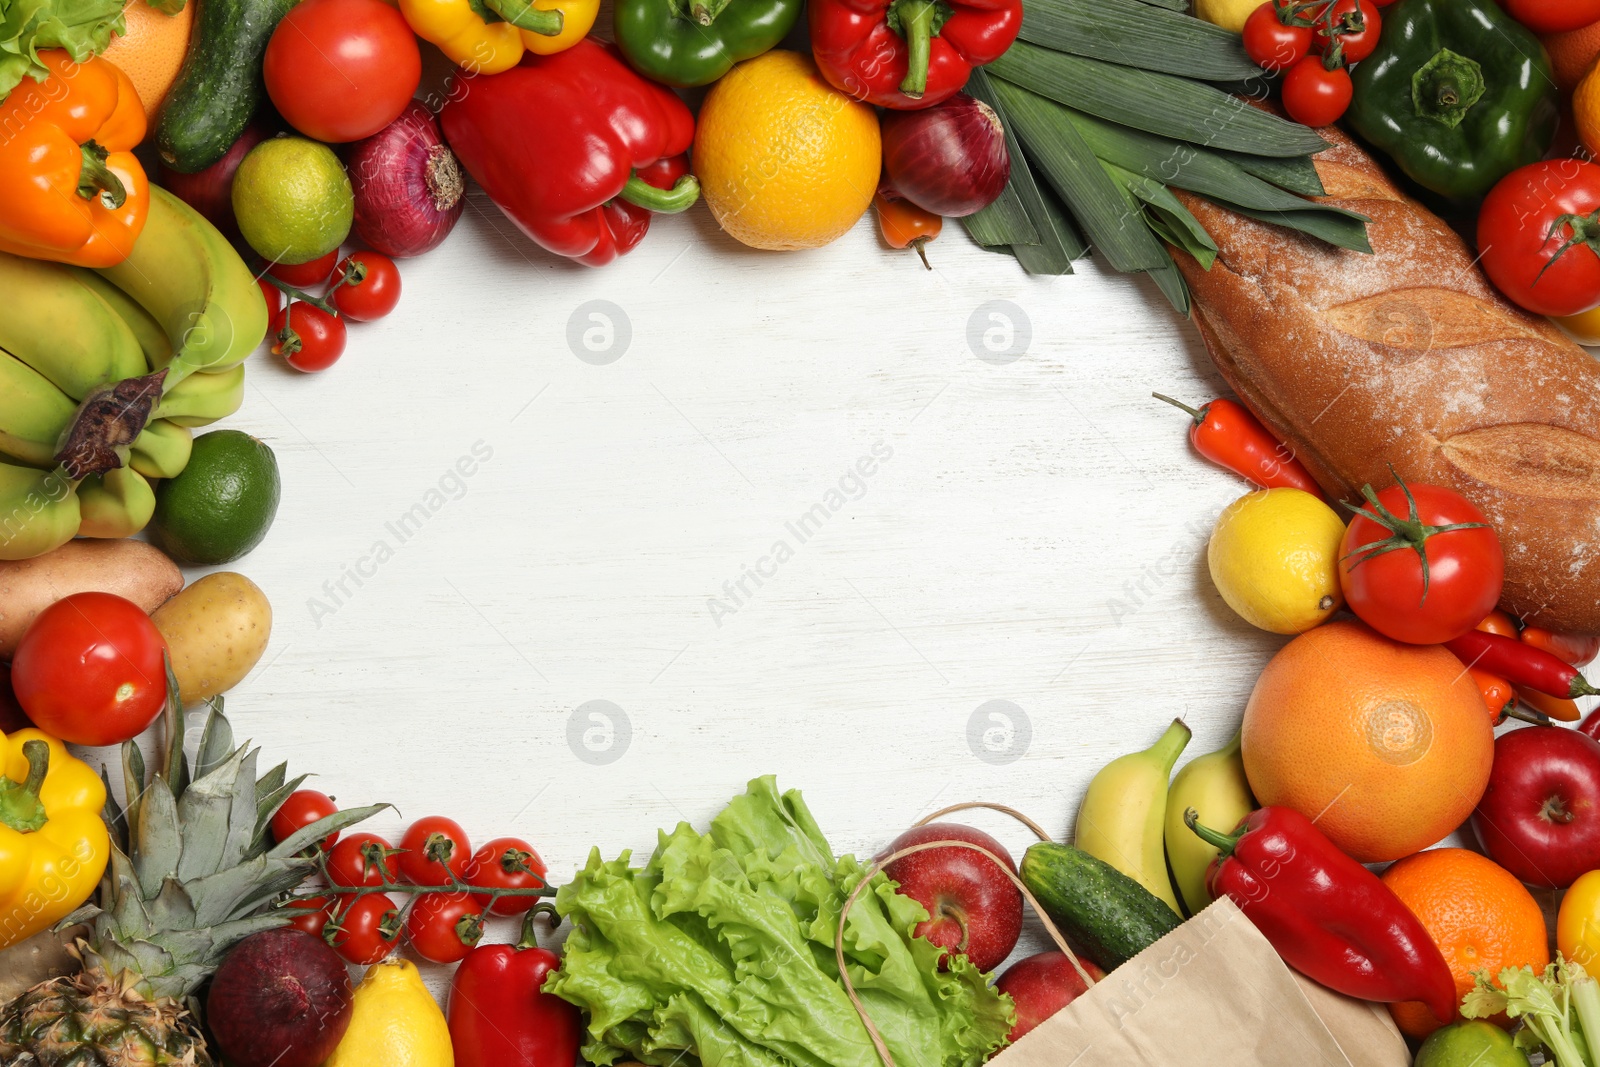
70	188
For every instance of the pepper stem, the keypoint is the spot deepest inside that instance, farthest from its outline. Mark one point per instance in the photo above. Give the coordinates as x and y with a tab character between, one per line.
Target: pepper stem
1446	87
97	179
20	806
528	937
1224	843
524	16
1197	414
916	24
680	197
920	244
705	12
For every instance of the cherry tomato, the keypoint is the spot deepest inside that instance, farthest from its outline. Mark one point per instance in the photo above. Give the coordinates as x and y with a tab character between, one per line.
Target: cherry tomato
368	928
1358	44
341	70
1313	95
311	914
430	837
306	275
301	809
507	863
308	338
1533	233
375	295
90	670
444	927
1271	44
1553	16
272	295
352	862
1386	581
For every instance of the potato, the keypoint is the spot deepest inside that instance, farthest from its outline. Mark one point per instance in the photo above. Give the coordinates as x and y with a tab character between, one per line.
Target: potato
216	630
131	569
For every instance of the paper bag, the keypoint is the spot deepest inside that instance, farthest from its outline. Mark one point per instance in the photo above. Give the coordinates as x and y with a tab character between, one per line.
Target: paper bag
1213	993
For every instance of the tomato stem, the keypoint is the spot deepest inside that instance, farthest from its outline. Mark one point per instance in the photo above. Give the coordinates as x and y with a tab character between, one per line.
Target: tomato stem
303	296
1407	533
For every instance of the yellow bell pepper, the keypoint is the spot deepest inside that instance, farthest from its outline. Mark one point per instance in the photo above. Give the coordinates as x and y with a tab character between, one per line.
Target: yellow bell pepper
465	30
53	841
1578	922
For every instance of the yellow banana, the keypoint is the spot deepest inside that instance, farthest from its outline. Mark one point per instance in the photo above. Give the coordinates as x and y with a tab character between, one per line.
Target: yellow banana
59	327
191	281
38	511
1215	786
33	413
147	331
161	450
201	399
1122	816
117	503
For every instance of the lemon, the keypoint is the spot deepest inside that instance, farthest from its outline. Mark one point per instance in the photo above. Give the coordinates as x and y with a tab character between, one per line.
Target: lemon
784	159
1274	557
1229	14
395	1022
292	200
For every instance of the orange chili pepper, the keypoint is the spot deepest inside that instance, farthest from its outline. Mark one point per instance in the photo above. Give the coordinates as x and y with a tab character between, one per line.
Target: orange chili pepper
1497	693
1558	708
905	225
70	188
1498	622
1576	649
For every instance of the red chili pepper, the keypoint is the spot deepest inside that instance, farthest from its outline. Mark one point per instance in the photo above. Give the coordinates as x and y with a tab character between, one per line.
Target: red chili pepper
1576	649
1330	918
1522	665
908	54
559	143
501	1017
1228	435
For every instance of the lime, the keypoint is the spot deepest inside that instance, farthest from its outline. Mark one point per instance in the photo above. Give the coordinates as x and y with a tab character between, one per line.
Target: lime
1274	557
292	200
223	503
1473	1043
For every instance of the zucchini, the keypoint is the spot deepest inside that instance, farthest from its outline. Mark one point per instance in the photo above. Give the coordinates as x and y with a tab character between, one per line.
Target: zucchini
219	86
1109	915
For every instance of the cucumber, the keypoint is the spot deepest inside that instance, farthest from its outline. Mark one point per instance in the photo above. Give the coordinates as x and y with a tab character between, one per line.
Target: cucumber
219	85
1100	909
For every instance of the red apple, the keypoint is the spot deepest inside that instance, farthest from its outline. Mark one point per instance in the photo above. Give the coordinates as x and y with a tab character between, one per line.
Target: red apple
1042	985
1591	724
975	909
1540	816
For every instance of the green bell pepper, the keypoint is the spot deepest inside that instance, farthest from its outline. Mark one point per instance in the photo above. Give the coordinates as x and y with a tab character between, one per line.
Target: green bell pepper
695	42
1458	93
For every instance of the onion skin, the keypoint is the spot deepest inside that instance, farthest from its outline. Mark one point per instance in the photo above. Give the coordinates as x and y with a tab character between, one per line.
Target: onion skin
410	191
281	998
210	191
950	159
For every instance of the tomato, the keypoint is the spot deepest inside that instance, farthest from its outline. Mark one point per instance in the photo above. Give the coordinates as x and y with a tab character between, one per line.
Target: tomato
434	851
308	338
301	809
375	295
1348	15
272	295
1313	95
311	914
352	862
1539	235
507	863
90	670
366	929
1420	564
341	70
1553	16
444	927
1271	44
306	275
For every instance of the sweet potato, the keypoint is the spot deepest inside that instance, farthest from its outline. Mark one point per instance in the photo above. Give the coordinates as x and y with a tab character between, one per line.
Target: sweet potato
129	569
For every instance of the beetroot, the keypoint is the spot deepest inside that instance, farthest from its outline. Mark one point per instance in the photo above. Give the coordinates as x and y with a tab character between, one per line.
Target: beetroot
281	998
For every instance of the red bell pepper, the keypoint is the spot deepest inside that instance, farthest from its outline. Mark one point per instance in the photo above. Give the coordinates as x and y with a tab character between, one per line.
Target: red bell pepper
500	1016
559	141
909	54
1330	918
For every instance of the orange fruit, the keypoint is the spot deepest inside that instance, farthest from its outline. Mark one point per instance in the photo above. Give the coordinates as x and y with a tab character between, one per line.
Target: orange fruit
1385	745
785	160
152	50
1571	53
1586	108
1480	916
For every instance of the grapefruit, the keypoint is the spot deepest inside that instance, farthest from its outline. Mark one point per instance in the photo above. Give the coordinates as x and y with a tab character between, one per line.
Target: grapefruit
152	50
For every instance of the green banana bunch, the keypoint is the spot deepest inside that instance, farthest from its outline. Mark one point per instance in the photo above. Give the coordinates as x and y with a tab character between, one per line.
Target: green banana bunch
1215	786
1122	817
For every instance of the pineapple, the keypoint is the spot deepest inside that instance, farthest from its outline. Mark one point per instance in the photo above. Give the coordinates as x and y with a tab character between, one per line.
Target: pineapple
192	872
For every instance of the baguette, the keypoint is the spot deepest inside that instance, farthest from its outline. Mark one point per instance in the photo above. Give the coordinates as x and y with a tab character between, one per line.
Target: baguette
1409	357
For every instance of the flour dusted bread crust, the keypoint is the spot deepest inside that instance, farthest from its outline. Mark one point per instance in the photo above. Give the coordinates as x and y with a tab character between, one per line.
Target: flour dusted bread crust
1409	357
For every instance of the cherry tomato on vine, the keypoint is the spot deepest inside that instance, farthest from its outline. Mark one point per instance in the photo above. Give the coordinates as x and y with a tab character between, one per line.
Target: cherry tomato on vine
301	809
272	295
1358	43
1315	96
444	927
310	914
349	863
305	275
375	295
89	670
433	850
308	338
368	928
1539	232
1420	564
507	863
1271	44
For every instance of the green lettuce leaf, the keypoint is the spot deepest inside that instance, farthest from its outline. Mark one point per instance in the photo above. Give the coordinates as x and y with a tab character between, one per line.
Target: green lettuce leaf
720	951
82	27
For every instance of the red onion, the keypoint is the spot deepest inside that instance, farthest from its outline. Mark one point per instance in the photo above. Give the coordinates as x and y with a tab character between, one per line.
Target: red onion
409	188
281	998
949	159
210	191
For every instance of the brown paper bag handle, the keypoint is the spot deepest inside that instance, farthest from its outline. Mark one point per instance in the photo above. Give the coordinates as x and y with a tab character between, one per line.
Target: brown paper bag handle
971	804
879	865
